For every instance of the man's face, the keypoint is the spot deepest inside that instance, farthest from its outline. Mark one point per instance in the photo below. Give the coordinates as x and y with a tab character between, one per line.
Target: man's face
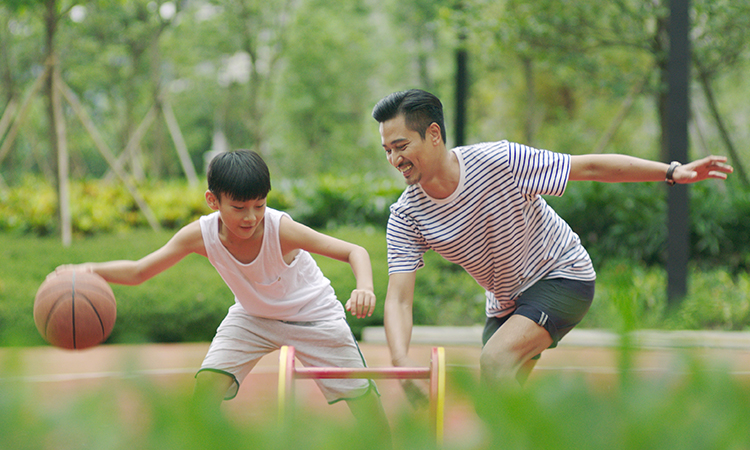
404	148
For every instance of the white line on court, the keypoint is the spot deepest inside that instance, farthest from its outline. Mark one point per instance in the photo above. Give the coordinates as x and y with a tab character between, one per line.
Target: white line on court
61	377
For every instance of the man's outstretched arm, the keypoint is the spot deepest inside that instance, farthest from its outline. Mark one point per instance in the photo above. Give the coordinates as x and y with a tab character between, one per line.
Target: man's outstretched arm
614	168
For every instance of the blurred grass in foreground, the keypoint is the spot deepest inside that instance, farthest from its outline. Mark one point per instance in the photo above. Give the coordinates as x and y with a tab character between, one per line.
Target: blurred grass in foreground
694	407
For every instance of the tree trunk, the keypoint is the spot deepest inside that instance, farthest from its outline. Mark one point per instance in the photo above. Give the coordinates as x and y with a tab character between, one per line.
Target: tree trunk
661	46
529	125
50	23
713	107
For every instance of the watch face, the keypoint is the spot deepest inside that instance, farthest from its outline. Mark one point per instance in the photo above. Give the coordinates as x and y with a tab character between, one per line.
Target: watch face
670	171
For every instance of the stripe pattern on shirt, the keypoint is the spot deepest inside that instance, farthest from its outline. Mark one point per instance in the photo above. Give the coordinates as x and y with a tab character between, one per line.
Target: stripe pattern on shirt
495	225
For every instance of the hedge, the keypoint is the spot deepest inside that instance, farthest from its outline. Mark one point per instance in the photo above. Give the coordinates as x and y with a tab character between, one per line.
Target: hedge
615	221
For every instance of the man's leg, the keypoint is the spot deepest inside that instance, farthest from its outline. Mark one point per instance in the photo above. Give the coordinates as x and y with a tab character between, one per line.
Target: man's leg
507	354
523	373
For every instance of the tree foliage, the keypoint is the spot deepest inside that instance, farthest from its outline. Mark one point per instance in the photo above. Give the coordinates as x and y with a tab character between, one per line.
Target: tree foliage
590	47
296	79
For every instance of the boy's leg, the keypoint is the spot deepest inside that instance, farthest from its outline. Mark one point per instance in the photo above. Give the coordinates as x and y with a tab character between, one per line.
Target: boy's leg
211	388
368	410
237	347
331	344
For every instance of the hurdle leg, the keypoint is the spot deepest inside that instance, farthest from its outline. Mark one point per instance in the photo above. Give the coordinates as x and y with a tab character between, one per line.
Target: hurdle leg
437	393
286	383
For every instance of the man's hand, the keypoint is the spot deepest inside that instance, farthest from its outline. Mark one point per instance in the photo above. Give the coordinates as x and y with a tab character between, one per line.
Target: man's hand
702	169
416	391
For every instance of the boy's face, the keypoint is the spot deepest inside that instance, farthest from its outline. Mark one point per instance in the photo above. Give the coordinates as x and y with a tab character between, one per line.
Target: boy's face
242	219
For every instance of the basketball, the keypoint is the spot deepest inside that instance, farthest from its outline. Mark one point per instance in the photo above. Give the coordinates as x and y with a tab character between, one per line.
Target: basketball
75	310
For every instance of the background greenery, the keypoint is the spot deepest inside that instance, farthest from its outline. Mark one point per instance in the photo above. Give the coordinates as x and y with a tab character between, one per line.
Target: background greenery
187	302
296	81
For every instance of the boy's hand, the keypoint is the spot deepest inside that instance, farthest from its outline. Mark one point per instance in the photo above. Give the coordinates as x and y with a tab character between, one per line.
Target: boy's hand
361	303
72	267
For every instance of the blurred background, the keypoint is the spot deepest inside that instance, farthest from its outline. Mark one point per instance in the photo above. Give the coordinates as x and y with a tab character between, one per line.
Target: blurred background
296	79
110	110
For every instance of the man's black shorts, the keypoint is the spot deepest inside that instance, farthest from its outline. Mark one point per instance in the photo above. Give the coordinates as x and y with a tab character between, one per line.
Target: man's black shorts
557	304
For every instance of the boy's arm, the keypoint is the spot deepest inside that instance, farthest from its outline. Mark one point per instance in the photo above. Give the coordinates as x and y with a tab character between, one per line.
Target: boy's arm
294	235
622	168
187	240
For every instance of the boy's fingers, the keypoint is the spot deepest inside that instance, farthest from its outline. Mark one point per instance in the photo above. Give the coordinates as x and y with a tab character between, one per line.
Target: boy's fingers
361	304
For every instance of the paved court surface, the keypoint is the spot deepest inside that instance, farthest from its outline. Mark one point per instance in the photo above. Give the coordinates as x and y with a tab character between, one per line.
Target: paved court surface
51	376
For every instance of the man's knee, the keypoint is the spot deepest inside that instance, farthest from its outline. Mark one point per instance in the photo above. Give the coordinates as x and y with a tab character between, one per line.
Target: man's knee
513	345
499	362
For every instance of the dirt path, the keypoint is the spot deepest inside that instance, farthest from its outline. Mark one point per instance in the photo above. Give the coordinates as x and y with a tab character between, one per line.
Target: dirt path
51	376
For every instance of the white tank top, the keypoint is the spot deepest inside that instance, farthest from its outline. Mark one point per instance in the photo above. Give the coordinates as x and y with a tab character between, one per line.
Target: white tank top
268	287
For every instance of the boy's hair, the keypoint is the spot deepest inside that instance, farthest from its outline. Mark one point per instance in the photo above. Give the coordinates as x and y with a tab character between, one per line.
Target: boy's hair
419	108
241	175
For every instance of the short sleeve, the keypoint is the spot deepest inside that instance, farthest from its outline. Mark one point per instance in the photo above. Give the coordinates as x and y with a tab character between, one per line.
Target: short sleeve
406	246
539	172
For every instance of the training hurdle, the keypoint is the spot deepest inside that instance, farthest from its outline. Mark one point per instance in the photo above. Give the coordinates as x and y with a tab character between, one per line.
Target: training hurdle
288	373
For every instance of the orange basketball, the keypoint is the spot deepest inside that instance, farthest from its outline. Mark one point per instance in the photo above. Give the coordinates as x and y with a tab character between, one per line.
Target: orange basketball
75	310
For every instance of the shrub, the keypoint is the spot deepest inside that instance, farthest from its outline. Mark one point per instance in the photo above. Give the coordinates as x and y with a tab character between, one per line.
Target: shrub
629	221
633	296
99	206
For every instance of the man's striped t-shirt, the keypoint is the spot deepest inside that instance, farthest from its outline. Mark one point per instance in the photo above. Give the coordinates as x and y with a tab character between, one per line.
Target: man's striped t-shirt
495	225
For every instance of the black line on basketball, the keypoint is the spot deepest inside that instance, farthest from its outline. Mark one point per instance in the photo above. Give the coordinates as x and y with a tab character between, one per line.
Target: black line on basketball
96	311
73	305
51	312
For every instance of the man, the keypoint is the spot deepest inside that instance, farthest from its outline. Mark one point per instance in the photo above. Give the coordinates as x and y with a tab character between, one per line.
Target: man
480	206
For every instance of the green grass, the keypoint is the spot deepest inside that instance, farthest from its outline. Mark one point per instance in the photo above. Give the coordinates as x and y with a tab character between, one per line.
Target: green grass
187	302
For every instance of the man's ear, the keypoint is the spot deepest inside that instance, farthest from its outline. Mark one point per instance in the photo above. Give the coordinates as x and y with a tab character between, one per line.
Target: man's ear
212	201
433	132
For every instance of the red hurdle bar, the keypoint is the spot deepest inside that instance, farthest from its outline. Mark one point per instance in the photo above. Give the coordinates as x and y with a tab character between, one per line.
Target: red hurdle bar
401	373
288	372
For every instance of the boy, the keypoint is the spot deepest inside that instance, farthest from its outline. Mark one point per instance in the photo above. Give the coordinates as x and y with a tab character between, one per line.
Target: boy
281	296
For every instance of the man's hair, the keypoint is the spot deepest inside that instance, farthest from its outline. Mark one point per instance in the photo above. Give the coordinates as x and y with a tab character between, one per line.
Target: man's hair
241	175
419	108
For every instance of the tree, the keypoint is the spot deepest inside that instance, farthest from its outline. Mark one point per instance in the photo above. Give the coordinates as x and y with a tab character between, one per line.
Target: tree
123	60
51	13
617	43
720	42
323	87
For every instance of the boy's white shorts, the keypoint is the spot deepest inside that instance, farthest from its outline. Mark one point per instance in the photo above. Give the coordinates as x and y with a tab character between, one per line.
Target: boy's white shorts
241	340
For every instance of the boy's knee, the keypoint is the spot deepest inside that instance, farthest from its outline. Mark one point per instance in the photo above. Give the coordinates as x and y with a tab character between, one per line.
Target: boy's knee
211	387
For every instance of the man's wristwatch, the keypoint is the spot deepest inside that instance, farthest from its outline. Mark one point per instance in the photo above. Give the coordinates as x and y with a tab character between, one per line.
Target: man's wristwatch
670	172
